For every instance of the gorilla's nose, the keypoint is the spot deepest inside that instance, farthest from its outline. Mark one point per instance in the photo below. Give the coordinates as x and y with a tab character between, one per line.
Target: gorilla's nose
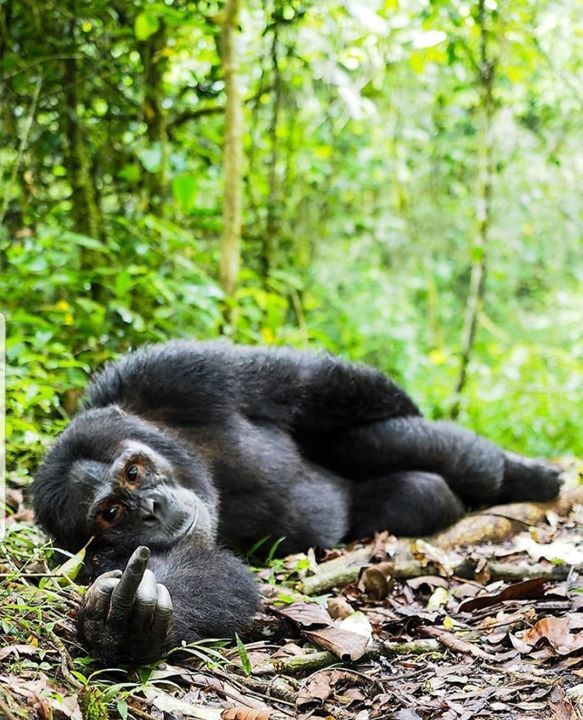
150	510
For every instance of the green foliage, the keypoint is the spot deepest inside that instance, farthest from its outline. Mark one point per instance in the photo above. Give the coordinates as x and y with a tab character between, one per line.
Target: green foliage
146	24
362	142
243	656
92	705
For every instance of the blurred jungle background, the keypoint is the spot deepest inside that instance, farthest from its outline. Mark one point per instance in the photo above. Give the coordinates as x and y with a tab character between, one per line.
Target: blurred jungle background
395	181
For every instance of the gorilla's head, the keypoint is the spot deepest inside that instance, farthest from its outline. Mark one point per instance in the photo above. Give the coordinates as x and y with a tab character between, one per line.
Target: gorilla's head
124	481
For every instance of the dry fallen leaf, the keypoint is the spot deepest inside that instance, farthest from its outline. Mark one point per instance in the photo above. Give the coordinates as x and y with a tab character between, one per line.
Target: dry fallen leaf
561	707
377	580
339	607
526	590
315	691
343	643
19	651
556	631
357	623
246	714
306	615
568	552
407	714
173	705
438	599
318	627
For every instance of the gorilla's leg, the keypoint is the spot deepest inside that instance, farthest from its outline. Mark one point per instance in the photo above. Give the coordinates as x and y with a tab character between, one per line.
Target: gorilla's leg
405	503
476	470
528	479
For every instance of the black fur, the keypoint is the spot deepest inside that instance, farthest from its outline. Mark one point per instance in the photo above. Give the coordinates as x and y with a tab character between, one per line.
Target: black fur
260	443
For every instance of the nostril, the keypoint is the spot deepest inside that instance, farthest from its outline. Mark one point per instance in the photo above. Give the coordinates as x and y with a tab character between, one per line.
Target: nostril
150	511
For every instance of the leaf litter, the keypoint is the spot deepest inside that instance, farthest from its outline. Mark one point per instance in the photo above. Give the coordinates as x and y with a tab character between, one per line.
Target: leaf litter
389	628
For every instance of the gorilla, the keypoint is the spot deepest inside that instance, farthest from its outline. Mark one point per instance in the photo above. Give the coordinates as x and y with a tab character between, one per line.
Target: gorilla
186	453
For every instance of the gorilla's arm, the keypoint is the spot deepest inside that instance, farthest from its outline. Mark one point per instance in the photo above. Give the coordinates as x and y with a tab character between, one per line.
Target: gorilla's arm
137	616
189	383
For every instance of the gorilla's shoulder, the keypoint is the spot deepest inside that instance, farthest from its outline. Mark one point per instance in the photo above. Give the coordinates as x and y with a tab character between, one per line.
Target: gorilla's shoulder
145	365
214	365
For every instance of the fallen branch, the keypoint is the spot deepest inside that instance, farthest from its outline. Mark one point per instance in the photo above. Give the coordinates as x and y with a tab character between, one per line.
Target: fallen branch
339	571
451	642
300	664
406	566
500	522
65	661
527	571
276	689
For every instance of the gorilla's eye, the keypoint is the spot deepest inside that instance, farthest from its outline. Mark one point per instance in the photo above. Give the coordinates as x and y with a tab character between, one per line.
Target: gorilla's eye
111	513
132	472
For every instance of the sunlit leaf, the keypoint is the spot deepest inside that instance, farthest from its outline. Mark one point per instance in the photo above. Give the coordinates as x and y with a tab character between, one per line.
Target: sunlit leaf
146	24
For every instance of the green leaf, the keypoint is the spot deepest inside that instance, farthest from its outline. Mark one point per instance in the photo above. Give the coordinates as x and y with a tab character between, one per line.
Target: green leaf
68	571
130	172
184	190
85	241
243	655
146	24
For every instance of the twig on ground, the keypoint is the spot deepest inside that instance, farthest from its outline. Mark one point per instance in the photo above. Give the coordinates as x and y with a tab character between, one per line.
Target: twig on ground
66	662
450	641
240	684
299	664
276	689
339	571
142	714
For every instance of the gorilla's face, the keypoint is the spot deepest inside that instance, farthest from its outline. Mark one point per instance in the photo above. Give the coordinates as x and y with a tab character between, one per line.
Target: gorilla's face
124	482
138	496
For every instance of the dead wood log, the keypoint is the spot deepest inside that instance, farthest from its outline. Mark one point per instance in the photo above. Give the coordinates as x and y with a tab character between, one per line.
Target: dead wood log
498	523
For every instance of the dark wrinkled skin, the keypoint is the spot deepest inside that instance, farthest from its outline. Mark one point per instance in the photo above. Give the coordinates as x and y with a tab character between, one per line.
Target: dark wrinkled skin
185	449
128	611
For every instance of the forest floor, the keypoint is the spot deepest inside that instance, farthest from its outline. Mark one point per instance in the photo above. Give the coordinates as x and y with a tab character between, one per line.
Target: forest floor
481	621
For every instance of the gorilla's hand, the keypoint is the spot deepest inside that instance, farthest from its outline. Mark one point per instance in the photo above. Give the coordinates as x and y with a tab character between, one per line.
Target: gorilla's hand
126	615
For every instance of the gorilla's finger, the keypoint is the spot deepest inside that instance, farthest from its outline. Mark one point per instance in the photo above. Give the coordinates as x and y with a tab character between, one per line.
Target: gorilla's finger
93	615
163	615
104	584
124	595
102	589
145	604
98	597
108	575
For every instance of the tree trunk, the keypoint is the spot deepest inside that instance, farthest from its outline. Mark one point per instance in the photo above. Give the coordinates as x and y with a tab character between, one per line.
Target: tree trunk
15	217
154	65
483	209
85	208
273	199
233	153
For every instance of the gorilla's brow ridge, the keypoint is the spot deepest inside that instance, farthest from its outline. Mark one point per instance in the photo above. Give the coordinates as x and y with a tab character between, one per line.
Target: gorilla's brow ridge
89	474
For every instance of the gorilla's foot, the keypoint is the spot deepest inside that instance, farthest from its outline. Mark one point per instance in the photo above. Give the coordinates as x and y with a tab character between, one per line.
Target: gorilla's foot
528	479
